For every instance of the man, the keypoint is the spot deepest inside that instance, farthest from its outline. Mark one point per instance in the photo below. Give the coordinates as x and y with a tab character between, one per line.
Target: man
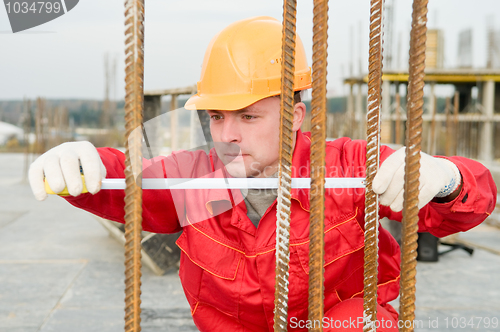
228	240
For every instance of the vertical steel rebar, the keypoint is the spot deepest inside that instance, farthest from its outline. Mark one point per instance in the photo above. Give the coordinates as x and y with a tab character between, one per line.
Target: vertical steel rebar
398	118
372	165
285	166
455	124
449	130
432	143
174	123
134	103
27	133
318	146
412	167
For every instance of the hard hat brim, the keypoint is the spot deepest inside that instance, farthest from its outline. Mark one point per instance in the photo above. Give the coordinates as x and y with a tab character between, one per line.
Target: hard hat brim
231	102
223	102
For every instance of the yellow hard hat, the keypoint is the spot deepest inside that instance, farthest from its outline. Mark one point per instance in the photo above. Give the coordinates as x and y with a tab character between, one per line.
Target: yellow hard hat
242	65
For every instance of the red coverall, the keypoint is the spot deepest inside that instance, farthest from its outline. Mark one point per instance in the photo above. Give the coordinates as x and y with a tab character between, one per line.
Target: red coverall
228	266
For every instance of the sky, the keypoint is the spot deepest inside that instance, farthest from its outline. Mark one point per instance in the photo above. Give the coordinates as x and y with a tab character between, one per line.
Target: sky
64	58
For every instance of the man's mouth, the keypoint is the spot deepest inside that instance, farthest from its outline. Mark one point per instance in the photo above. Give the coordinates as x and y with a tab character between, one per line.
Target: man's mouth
238	156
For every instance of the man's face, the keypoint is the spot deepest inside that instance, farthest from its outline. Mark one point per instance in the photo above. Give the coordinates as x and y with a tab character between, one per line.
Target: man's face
247	140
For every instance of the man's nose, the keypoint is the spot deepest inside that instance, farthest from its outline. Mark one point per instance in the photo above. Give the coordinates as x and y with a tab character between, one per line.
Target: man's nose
230	130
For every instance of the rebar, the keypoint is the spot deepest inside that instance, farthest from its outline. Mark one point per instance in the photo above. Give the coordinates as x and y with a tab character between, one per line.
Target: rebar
372	165
412	166
398	119
174	123
134	104
432	136
318	146
285	166
27	134
456	133
449	131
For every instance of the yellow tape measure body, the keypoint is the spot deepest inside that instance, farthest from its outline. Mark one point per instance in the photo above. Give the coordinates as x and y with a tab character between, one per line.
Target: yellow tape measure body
65	192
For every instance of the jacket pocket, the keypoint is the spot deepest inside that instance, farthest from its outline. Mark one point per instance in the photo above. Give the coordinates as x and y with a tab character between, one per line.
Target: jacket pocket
211	270
344	239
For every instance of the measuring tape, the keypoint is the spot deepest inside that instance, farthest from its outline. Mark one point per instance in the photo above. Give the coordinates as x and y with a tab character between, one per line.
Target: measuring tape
218	183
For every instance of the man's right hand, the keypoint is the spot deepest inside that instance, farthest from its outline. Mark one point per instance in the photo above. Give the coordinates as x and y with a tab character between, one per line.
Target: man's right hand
60	167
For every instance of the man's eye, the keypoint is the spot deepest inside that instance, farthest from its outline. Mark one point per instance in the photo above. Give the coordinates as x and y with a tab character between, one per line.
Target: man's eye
248	117
216	117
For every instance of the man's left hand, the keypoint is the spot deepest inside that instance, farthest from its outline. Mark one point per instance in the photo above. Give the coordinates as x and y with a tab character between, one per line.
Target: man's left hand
439	178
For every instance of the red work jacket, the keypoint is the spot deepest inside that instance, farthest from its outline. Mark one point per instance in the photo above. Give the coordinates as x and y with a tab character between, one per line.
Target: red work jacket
228	265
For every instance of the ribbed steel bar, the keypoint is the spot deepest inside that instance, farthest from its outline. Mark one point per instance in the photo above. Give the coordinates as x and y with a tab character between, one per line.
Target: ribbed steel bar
449	131
372	165
398	119
134	103
285	166
318	146
412	167
456	133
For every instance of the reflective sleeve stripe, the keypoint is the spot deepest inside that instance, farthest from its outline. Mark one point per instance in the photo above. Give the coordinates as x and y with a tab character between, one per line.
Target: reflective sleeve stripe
231	183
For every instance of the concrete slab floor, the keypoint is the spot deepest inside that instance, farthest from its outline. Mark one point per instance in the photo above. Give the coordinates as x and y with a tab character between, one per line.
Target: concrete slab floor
60	271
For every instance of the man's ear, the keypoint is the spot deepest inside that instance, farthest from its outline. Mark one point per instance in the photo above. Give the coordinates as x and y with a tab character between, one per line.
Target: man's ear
299	113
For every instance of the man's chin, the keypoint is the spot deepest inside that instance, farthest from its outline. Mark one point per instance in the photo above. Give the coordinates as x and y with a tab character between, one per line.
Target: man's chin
236	170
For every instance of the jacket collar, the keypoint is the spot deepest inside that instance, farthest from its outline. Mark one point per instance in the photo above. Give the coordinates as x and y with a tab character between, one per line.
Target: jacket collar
301	167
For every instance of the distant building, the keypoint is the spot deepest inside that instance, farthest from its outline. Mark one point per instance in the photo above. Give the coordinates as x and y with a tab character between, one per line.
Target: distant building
481	113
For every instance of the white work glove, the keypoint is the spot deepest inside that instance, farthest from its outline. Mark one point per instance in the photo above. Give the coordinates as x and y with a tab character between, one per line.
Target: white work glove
60	166
438	178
